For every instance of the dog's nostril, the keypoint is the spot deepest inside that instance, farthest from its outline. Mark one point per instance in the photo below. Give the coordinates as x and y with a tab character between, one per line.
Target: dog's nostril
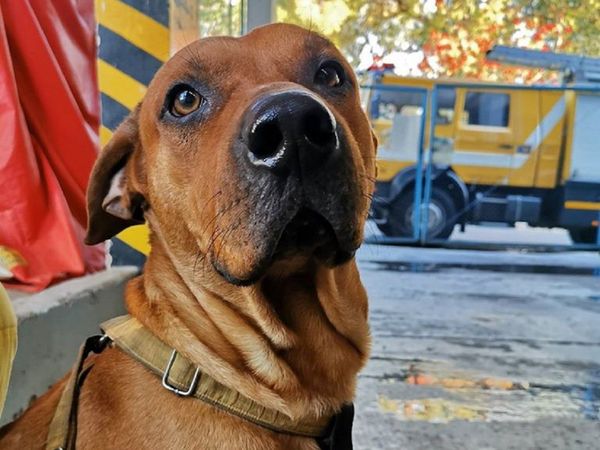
318	128
265	139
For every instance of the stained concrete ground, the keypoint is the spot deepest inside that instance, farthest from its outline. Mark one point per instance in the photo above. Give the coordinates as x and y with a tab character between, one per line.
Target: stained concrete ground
480	350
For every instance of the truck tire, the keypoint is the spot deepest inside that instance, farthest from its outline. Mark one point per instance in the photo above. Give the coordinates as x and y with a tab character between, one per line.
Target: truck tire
586	235
442	215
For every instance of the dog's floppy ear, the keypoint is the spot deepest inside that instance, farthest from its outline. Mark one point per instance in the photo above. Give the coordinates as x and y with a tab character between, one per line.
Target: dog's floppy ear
112	203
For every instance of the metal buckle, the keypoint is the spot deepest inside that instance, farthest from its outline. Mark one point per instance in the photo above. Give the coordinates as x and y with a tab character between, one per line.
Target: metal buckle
170	387
103	341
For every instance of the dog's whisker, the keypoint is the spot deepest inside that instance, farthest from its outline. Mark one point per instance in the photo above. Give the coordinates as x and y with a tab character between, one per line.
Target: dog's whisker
224	211
220	233
230	230
212	198
367	177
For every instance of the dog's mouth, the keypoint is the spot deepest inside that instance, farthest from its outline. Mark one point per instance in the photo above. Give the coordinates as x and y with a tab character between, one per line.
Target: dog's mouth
307	236
307	231
311	234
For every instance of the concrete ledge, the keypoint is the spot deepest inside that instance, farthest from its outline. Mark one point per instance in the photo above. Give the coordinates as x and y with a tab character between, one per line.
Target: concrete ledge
52	326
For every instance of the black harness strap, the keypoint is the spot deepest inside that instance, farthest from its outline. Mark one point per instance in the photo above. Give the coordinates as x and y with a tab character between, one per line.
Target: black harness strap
339	436
63	428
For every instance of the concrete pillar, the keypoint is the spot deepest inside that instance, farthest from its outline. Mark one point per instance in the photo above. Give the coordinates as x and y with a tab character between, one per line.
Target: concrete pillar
260	12
183	15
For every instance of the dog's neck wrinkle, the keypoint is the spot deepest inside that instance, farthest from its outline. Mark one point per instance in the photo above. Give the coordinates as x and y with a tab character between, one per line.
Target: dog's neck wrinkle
191	333
272	339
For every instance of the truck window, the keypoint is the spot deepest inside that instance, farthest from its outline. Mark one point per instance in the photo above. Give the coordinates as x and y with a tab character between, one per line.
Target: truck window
446	97
397	118
387	103
486	109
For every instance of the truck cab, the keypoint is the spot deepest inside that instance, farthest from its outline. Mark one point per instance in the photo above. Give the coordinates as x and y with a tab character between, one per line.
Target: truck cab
501	153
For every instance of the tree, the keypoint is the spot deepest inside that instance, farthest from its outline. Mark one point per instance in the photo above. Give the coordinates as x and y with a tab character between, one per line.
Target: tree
452	37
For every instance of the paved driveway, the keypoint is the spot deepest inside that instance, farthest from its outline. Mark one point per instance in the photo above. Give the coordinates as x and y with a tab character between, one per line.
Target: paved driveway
480	350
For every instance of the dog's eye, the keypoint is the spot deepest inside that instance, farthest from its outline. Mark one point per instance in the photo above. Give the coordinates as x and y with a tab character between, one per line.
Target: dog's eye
185	101
330	75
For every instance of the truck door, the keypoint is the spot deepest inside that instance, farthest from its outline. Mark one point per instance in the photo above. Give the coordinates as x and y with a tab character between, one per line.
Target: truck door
397	118
538	132
484	142
584	165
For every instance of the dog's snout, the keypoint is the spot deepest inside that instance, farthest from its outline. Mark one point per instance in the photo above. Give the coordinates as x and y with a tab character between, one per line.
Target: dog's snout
290	131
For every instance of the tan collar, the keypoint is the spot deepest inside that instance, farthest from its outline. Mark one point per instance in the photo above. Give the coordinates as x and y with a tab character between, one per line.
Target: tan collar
179	375
183	377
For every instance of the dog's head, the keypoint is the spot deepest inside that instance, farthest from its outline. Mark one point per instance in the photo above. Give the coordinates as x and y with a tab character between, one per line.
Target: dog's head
248	151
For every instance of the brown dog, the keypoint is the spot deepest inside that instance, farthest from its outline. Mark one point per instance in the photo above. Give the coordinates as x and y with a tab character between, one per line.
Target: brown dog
252	162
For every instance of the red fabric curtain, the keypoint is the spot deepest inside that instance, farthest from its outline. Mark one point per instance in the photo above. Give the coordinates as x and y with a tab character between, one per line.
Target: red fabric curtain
49	121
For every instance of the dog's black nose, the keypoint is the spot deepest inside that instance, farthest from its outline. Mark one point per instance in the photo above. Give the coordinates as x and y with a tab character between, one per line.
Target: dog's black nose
290	131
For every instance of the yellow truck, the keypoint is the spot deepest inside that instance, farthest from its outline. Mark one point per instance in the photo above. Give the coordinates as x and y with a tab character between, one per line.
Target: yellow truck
499	153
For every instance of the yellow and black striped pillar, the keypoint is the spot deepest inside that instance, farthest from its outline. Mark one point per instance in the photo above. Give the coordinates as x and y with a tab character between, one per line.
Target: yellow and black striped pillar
134	41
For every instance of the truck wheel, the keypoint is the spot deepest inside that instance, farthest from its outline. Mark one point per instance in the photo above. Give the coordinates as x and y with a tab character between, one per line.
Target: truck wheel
442	215
585	235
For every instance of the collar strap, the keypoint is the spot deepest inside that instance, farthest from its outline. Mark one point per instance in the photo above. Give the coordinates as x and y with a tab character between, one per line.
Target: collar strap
184	378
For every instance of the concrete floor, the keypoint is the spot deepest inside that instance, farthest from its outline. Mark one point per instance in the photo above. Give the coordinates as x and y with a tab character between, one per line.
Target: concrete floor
480	350
521	233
